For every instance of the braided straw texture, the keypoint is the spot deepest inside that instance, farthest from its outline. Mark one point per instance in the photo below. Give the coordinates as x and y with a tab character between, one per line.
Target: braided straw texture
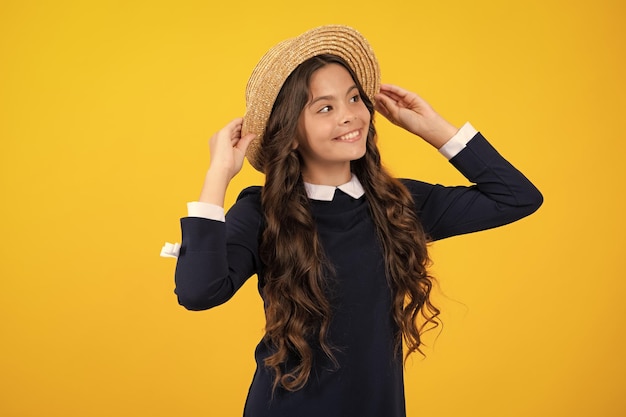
275	66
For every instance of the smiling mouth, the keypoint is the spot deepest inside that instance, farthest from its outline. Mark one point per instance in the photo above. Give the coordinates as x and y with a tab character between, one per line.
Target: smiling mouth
349	137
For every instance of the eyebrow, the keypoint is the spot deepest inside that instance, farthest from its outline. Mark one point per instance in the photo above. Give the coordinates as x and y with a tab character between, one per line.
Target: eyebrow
316	99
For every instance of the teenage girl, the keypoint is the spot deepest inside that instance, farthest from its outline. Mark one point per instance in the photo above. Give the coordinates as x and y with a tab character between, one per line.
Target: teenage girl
338	245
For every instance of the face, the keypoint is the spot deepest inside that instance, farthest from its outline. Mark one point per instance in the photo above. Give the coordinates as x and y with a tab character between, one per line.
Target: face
333	126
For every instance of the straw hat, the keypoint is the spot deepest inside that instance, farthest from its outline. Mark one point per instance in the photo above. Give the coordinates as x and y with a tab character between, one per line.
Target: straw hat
275	66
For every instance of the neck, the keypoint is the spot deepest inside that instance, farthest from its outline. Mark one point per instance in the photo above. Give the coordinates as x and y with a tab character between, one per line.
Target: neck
332	177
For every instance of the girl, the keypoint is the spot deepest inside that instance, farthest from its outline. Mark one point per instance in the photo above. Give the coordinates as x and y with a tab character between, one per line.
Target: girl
339	246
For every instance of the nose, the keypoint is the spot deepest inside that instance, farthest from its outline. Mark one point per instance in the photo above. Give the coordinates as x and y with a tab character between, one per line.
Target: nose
348	117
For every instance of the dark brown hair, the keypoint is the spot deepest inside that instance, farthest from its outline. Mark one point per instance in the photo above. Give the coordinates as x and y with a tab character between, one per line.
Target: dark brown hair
294	286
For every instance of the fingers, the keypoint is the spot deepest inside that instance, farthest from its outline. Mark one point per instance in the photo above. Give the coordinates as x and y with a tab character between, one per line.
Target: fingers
393	88
242	144
234	129
235	122
379	102
402	96
384	104
395	92
236	140
394	100
231	133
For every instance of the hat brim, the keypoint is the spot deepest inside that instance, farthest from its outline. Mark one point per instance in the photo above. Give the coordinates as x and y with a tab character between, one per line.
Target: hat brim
278	63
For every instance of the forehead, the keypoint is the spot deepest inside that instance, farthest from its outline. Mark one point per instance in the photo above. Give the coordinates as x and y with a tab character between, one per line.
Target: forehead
329	78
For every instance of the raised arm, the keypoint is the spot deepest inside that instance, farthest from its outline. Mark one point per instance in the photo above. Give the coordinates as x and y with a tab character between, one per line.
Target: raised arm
501	194
215	257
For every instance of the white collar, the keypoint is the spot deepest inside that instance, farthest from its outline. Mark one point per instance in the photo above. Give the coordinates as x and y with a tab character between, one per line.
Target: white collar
326	192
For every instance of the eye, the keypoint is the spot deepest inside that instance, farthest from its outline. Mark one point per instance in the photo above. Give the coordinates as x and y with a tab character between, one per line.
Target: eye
325	109
355	99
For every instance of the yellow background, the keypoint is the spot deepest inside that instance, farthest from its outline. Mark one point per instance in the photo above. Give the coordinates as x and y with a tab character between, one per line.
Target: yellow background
105	113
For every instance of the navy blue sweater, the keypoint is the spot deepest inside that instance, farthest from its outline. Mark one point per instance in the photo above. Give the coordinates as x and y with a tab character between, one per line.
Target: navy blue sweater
216	258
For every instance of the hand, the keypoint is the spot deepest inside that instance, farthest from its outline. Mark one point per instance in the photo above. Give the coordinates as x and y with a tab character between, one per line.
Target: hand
412	113
228	149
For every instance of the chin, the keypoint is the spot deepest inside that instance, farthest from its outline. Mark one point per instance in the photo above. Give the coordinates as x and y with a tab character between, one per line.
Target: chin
358	156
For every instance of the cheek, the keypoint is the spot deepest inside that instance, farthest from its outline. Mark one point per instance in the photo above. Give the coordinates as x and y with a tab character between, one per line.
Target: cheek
300	139
365	114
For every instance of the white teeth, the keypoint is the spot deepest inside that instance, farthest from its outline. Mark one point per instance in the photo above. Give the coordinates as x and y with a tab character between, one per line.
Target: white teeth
349	136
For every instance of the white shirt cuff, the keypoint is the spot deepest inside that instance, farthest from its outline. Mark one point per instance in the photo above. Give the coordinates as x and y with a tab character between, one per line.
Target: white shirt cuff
194	209
458	141
205	210
170	250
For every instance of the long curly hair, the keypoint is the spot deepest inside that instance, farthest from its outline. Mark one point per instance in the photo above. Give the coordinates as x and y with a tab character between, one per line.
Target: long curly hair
295	286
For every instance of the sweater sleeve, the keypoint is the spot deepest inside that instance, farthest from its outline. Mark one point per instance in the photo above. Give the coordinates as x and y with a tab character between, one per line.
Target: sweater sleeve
216	258
500	194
